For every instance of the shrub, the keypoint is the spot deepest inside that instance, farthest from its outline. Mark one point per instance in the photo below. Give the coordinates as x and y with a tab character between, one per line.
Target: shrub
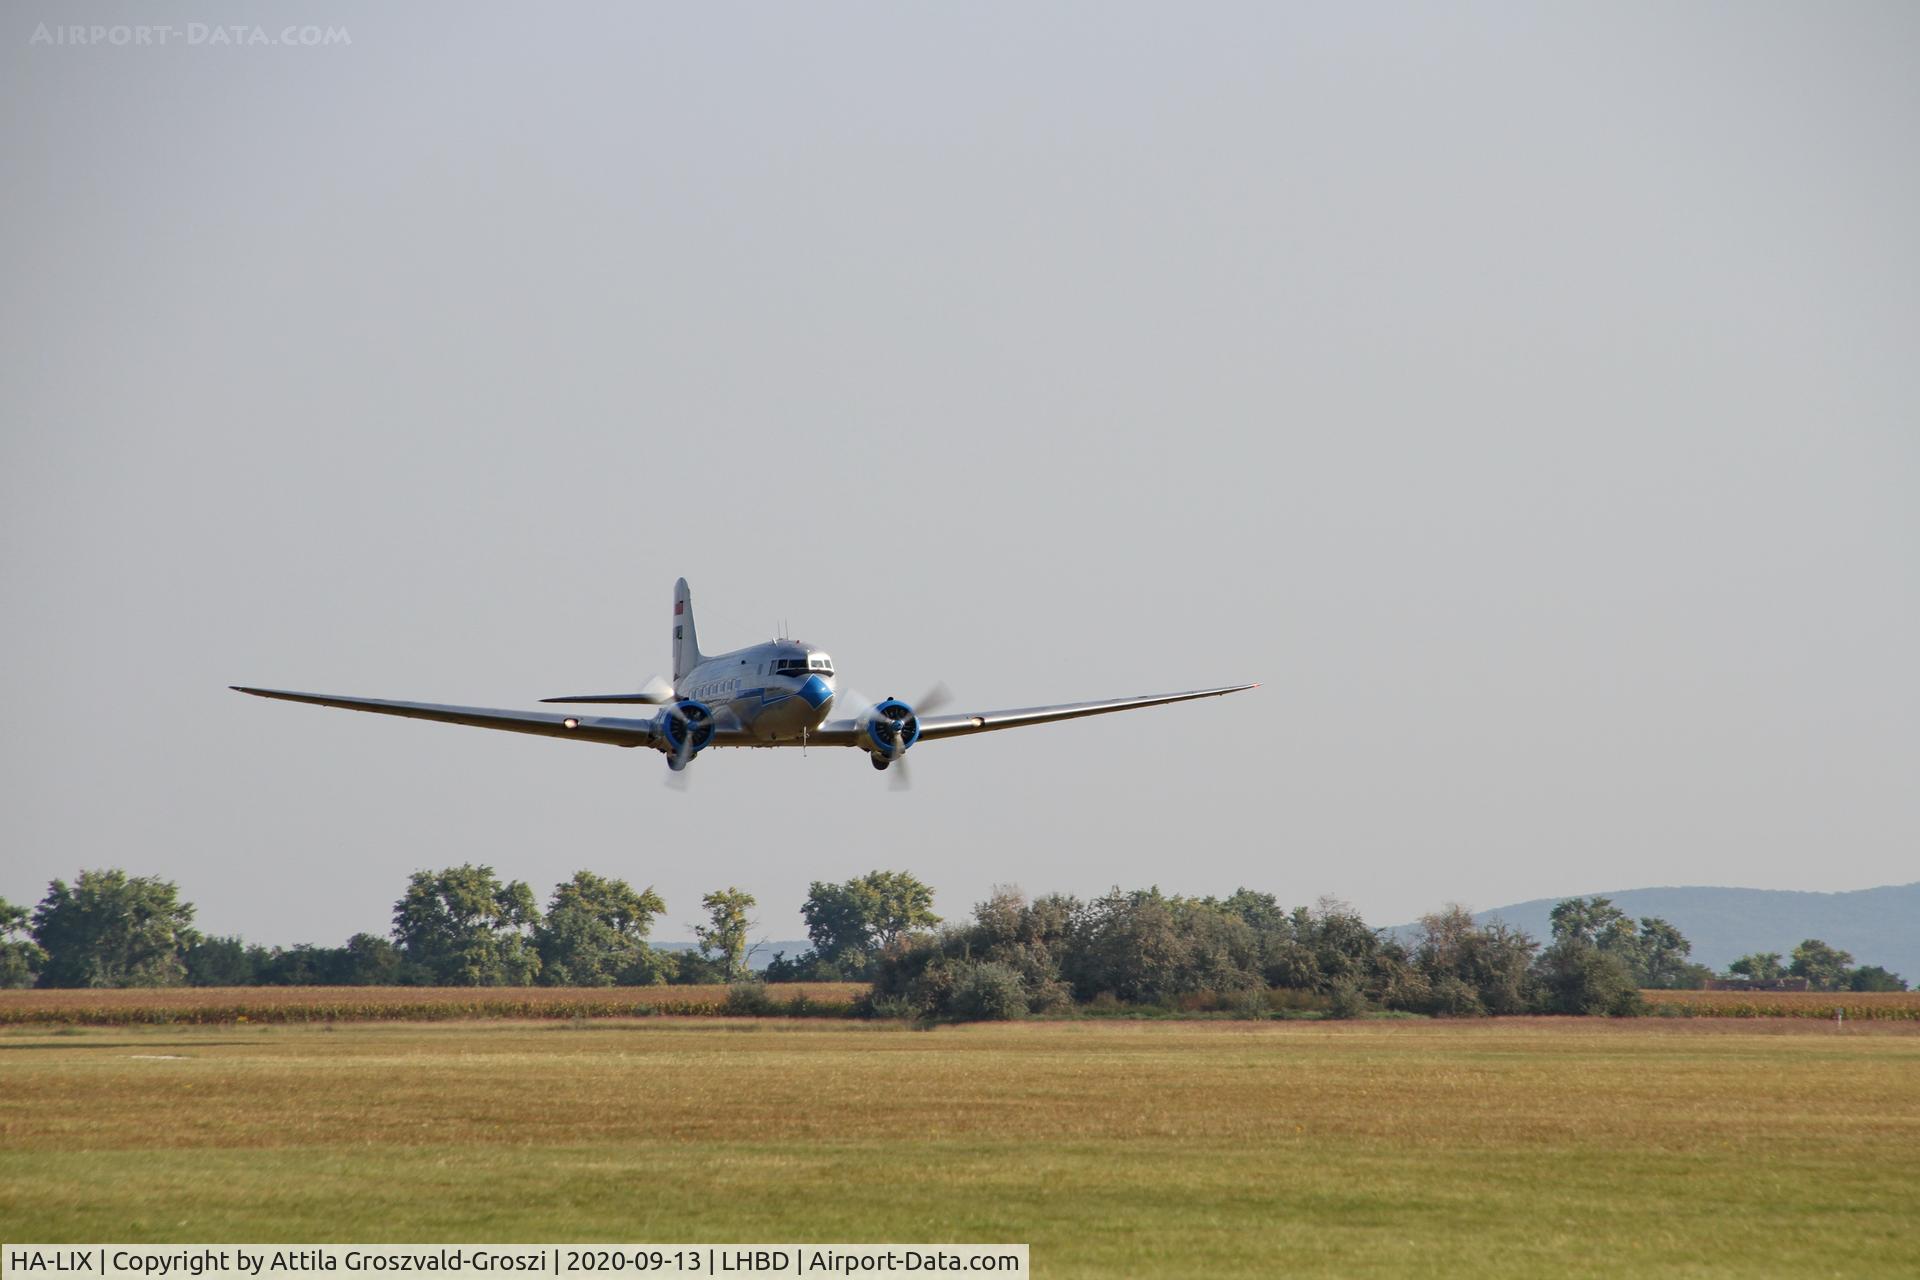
1294	1000
987	991
748	998
890	1007
1253	1005
1452	998
1345	999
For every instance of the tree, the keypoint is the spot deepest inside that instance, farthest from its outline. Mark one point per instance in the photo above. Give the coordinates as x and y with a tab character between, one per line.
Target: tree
464	927
1129	944
304	965
850	923
691	968
1472	968
1655	956
836	916
366	960
725	933
1262	911
1575	976
21	958
1872	977
1593	920
1824	967
223	962
1761	966
373	961
595	934
1343	945
110	929
1660	953
1030	938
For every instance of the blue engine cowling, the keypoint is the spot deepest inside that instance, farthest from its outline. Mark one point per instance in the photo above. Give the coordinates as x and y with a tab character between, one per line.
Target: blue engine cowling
890	727
687	726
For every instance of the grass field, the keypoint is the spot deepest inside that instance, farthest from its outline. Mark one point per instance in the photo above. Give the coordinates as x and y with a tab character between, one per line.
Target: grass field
1700	1147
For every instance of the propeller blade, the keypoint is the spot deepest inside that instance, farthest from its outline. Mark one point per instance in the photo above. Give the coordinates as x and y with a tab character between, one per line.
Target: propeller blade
935	698
901	780
677	770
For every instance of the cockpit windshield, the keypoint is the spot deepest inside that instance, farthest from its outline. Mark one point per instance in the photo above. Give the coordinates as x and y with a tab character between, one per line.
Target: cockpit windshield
815	664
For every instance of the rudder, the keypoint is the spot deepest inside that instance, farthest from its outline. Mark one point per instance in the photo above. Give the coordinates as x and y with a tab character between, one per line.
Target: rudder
686	643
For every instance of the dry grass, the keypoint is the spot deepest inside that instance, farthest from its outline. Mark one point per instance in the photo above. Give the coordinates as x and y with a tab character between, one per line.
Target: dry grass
1856	1006
1510	1148
356	1004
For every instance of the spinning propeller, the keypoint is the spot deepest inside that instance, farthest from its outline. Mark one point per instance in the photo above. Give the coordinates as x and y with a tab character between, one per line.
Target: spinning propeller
688	726
892	726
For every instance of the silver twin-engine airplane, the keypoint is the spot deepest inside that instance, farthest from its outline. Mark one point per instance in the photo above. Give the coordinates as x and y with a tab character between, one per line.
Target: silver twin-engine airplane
777	694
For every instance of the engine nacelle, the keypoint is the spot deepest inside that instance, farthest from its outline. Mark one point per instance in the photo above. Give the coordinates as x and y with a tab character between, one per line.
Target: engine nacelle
686	726
889	728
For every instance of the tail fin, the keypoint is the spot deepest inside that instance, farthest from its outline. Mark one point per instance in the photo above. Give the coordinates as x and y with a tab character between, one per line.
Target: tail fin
686	644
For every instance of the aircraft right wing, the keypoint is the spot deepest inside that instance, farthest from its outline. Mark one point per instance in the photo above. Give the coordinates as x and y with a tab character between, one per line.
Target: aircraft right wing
608	729
849	733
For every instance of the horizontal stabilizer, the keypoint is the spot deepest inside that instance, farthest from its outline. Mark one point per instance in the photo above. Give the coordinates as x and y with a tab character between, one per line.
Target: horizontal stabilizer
655	692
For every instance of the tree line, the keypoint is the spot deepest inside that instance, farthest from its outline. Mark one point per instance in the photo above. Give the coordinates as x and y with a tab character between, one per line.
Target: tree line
464	926
1143	947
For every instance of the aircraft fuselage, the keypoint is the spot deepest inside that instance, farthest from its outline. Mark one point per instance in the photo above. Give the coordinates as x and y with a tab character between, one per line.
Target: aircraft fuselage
778	692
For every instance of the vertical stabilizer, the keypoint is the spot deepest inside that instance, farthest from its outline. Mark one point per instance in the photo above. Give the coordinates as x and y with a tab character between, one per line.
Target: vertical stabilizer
686	644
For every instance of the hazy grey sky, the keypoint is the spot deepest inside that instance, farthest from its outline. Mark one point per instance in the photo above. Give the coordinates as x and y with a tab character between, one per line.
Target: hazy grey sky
1528	395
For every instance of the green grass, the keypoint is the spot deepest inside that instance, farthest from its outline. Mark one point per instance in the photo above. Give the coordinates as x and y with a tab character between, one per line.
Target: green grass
1519	1147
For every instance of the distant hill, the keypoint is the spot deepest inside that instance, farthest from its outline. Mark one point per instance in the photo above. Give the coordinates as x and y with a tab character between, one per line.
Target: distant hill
1879	926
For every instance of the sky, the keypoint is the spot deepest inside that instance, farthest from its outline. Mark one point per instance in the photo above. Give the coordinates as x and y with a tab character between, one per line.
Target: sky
1526	396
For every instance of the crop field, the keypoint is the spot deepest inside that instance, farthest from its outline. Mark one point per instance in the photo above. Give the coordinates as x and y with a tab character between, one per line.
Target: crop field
106	1007
1854	1006
1521	1147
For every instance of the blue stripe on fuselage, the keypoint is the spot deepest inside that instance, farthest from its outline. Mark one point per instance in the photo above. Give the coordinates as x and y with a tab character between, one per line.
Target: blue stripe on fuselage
816	691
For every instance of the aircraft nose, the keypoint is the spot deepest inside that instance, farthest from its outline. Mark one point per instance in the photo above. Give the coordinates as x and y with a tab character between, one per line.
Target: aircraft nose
817	692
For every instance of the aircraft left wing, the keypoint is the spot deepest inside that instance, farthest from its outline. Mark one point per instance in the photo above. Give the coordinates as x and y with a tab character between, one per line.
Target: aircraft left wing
607	729
848	733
